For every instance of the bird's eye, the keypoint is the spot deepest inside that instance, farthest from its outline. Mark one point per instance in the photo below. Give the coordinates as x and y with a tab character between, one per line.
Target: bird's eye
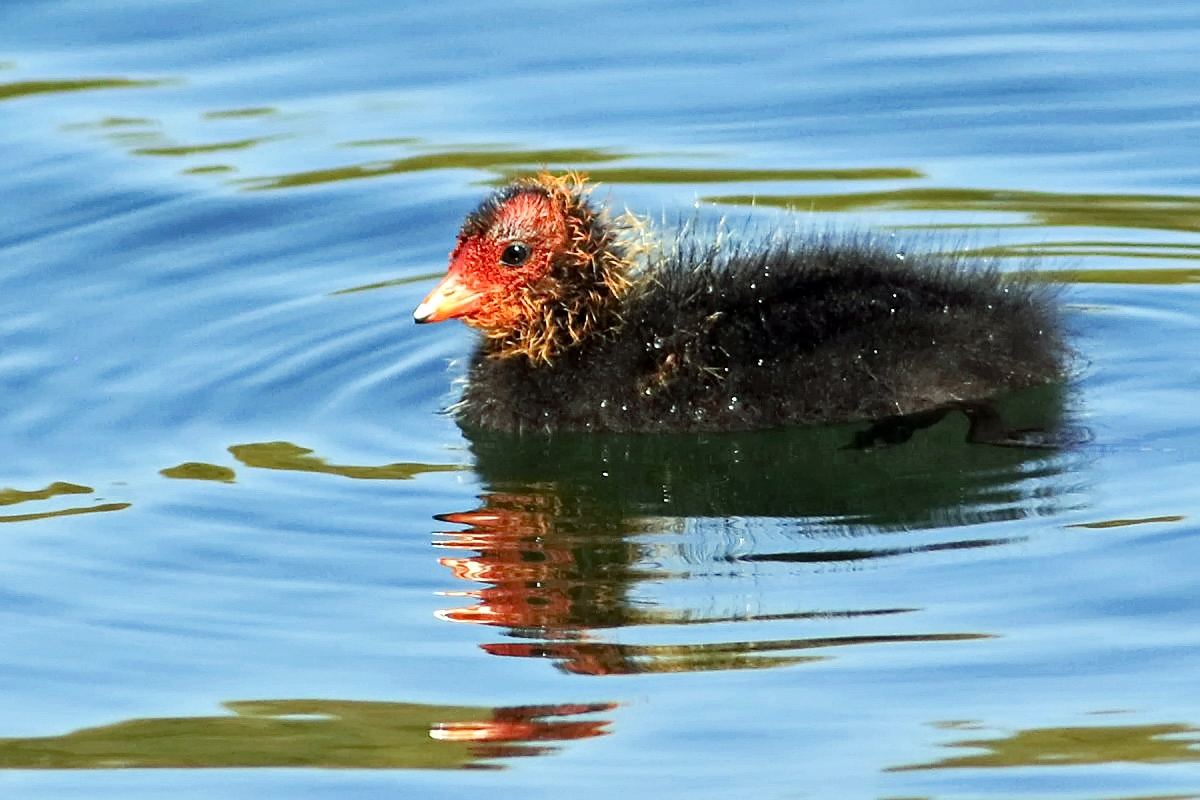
515	254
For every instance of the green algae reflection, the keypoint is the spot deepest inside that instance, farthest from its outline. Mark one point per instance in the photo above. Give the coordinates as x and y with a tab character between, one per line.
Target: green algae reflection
10	497
507	163
386	284
241	113
665	175
1046	209
9	91
293	458
290	457
1144	277
199	471
314	733
455	159
202	149
1169	743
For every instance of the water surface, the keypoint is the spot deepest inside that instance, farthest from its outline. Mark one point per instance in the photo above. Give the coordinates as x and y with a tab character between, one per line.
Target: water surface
249	556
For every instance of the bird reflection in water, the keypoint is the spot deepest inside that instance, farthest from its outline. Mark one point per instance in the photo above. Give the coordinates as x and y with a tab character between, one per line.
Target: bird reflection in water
575	528
511	731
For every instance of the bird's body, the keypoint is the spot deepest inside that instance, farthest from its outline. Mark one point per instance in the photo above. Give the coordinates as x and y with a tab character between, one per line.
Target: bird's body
708	337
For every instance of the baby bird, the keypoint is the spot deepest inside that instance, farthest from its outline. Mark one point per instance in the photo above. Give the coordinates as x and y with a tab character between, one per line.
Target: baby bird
587	329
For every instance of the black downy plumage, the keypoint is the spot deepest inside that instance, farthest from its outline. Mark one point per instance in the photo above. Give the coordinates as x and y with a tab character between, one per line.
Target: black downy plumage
707	336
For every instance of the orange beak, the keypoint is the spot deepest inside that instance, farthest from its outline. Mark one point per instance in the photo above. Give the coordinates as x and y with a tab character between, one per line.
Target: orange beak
449	299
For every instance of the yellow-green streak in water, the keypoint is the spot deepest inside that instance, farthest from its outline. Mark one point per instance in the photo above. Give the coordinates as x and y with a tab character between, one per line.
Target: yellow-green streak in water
1141	744
199	471
10	497
1155	277
191	150
663	175
239	113
8	91
463	159
1125	523
1049	209
66	512
385	284
287	456
1091	249
283	733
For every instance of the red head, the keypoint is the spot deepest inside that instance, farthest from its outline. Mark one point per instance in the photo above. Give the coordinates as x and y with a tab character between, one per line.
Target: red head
533	264
508	244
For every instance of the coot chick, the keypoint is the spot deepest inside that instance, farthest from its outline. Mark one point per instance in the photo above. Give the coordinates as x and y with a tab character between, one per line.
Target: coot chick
587	328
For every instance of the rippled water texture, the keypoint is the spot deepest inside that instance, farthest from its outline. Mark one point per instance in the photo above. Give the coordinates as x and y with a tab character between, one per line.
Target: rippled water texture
240	534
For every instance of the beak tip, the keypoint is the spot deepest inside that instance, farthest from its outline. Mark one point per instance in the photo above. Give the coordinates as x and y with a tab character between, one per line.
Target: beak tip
450	299
423	313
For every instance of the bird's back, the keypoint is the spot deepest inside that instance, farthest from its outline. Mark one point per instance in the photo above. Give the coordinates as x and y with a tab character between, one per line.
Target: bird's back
793	333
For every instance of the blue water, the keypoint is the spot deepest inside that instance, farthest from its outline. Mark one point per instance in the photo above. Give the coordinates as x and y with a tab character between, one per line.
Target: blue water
222	574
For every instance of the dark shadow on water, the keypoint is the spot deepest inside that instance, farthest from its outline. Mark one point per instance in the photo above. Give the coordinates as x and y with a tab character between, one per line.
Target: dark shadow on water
572	528
933	479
